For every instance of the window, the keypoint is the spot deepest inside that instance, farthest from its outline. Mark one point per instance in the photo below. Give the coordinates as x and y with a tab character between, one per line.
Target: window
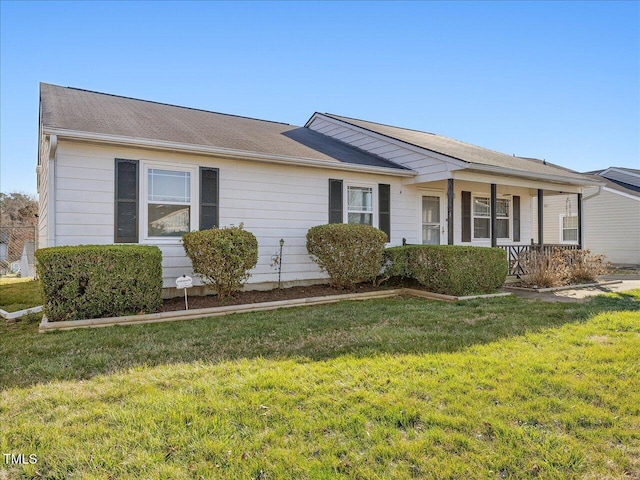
168	202
569	229
360	205
482	217
502	218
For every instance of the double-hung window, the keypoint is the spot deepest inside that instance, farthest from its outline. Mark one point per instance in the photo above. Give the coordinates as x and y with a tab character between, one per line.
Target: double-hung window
502	218
169	202
482	217
569	228
360	205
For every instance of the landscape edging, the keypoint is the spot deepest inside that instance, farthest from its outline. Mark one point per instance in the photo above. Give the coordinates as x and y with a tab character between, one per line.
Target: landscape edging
19	313
47	326
564	287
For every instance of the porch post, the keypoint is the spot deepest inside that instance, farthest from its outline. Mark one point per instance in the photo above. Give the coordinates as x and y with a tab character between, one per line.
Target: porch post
580	221
540	216
450	211
494	223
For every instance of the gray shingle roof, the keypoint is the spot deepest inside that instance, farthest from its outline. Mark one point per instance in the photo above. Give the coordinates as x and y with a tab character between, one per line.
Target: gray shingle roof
456	149
92	112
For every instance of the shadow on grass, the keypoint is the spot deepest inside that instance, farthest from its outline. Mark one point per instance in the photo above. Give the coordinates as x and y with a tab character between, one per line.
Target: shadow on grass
367	328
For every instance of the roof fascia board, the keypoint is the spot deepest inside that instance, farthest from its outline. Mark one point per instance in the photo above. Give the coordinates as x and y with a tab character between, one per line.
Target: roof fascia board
622	194
429	177
468	176
535	176
223	152
456	162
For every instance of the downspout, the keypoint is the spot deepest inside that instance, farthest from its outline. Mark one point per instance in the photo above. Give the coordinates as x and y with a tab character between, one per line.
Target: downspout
584	199
51	200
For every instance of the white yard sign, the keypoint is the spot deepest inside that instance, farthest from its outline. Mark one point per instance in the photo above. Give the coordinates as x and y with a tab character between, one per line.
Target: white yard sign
184	282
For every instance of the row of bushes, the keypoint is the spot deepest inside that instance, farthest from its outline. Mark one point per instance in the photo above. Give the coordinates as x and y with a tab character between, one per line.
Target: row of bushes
96	281
93	281
351	254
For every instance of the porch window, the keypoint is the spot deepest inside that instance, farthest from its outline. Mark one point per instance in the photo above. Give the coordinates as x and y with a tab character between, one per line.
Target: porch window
482	217
569	228
168	203
360	205
502	218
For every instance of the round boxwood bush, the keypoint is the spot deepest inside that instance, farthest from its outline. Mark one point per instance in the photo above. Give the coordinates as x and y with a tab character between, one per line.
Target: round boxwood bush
349	254
222	257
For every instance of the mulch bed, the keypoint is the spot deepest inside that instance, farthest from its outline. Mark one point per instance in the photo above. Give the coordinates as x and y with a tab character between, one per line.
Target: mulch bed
256	296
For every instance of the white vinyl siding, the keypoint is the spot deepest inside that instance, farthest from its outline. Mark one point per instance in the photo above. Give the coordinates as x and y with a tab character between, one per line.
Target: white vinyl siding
272	201
611	223
413	158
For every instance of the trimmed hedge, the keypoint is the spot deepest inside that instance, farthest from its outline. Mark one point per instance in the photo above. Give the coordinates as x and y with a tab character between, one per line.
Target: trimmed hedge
222	257
349	253
449	269
96	281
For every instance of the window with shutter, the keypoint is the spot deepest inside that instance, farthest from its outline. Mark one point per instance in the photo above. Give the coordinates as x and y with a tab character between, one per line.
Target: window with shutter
335	201
384	209
209	198
126	201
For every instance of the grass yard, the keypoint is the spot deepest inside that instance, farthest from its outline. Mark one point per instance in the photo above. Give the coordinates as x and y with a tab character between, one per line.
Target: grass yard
500	388
19	294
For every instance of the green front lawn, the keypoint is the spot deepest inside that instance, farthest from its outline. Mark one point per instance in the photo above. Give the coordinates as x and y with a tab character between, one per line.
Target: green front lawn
18	294
501	388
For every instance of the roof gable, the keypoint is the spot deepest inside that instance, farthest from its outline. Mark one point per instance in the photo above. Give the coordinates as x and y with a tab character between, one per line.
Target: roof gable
471	155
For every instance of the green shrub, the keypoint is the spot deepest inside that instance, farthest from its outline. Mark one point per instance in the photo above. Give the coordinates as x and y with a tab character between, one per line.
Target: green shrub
96	281
348	253
222	257
448	269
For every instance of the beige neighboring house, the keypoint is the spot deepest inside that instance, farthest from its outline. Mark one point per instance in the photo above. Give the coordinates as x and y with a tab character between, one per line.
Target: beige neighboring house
113	169
611	216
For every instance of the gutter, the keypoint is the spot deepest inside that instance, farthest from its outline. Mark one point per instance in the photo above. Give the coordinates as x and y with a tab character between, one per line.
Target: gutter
223	152
534	176
589	197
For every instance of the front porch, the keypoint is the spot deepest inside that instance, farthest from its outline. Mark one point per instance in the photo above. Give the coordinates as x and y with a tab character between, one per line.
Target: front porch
496	211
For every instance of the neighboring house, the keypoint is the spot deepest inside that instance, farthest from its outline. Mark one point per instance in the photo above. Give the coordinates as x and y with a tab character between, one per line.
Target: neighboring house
28	260
611	216
119	170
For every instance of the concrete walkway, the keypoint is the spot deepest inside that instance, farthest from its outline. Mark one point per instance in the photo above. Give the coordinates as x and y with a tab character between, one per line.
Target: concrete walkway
628	282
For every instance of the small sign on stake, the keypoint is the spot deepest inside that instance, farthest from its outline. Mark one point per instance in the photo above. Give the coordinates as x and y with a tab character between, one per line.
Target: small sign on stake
184	282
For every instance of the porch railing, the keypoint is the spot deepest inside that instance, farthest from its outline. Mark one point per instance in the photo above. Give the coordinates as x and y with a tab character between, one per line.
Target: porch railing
514	253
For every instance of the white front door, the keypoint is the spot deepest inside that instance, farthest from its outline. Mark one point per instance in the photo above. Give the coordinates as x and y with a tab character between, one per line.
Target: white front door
431	226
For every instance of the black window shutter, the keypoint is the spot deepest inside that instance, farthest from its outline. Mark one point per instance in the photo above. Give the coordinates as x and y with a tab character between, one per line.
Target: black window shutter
335	201
209	197
516	218
466	216
126	201
384	209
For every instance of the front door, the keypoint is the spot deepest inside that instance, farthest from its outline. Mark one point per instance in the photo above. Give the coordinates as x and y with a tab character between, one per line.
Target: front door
431	220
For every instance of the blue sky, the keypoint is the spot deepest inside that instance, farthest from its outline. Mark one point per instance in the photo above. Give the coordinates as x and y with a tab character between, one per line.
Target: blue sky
552	80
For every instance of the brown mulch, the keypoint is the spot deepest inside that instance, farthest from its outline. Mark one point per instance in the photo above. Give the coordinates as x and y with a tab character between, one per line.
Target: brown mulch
256	296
